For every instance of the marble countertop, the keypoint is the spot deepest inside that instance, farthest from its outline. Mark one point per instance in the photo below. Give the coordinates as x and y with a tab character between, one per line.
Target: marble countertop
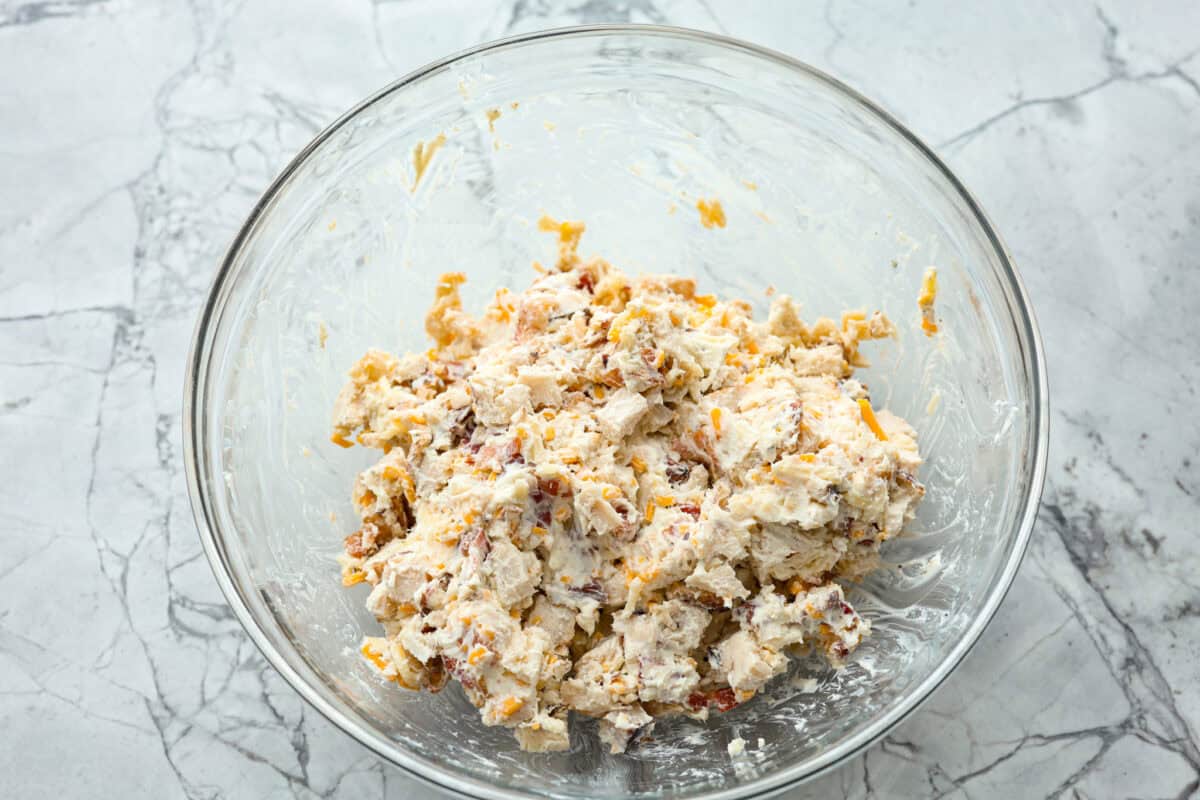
136	137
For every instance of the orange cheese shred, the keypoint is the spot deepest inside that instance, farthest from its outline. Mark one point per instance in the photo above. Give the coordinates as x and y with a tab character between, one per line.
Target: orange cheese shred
712	215
511	705
868	415
373	657
925	301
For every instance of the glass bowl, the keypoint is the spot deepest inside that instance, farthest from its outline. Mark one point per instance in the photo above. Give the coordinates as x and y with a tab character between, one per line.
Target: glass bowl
827	198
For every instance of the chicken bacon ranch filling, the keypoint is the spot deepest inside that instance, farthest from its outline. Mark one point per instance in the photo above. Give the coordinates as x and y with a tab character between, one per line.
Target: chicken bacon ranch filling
616	496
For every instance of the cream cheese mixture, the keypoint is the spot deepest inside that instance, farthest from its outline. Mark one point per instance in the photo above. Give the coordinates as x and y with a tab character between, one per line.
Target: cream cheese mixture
612	495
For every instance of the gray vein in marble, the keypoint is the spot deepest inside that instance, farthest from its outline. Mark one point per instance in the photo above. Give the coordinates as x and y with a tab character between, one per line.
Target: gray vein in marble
712	15
1117	71
33	13
838	35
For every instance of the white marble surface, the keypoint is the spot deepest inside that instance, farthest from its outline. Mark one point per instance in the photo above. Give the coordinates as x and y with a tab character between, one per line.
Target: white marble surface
136	135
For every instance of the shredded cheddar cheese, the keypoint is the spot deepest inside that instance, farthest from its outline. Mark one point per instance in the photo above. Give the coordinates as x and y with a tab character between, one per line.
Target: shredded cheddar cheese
373	657
868	415
925	301
568	232
712	215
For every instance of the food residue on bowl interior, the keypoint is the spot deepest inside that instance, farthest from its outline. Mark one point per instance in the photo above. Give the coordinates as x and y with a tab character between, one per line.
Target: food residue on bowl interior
712	215
422	154
926	299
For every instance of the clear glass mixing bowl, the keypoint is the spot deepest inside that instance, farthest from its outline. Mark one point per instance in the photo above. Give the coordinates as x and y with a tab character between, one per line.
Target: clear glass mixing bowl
827	198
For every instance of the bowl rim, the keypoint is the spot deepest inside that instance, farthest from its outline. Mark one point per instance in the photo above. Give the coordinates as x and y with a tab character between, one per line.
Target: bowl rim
196	384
